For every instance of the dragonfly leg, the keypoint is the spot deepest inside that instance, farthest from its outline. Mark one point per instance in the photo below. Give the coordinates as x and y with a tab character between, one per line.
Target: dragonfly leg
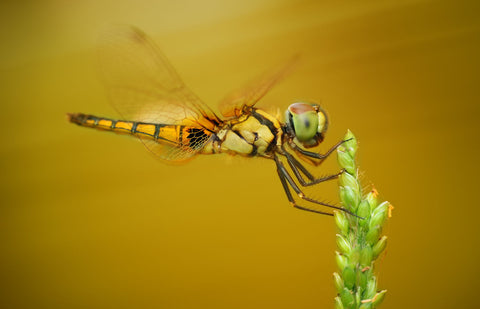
314	155
287	180
296	167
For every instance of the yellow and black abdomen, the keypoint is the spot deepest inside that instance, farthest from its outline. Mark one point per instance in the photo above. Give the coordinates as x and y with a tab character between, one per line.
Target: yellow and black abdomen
173	135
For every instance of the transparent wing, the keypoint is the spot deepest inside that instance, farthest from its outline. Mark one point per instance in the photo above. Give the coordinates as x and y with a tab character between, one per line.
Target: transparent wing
178	153
142	84
234	103
169	153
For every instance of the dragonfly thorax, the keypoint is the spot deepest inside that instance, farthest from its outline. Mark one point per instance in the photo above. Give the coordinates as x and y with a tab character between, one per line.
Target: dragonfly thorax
306	123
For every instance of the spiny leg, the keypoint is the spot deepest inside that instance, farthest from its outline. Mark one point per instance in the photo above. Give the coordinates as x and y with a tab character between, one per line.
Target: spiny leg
296	167
309	155
290	197
286	180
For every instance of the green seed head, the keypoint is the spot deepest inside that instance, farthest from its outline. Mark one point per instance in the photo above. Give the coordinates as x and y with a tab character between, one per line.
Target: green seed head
359	240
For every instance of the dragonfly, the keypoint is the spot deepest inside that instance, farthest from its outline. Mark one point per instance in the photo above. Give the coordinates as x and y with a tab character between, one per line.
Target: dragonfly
175	125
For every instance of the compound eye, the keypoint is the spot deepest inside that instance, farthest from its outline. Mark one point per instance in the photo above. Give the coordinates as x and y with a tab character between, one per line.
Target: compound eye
304	120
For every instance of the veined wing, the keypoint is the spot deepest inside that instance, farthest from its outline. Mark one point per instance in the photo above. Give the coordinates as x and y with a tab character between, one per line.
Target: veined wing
234	103
143	86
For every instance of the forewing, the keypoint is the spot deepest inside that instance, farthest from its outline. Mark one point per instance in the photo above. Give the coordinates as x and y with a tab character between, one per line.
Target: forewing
144	87
234	103
142	84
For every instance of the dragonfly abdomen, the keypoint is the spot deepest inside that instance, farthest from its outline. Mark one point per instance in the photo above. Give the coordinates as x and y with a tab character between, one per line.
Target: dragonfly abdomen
117	126
173	135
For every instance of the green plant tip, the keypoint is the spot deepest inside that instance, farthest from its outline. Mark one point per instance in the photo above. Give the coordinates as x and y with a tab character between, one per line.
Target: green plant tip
359	238
350	143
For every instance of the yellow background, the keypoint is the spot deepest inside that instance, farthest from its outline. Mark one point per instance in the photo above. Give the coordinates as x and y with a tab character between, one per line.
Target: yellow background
91	220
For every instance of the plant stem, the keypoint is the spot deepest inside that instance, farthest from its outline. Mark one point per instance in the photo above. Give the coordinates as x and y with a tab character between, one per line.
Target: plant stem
359	238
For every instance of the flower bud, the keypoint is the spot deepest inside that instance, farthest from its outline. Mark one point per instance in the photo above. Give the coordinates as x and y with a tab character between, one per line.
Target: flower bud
348	198
348	277
372	198
350	144
363	211
338	282
366	256
378	298
378	219
347	180
367	305
371	288
338	303
343	245
358	295
379	247
382	208
363	279
348	299
373	234
355	256
345	160
341	221
342	260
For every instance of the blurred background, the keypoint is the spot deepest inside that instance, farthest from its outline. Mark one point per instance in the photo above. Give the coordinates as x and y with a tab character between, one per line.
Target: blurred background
91	220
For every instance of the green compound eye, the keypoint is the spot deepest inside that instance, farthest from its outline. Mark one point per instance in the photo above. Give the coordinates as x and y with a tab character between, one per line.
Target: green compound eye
307	121
305	125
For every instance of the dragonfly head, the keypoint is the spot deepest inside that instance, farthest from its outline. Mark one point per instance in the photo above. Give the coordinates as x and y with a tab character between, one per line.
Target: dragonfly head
307	123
